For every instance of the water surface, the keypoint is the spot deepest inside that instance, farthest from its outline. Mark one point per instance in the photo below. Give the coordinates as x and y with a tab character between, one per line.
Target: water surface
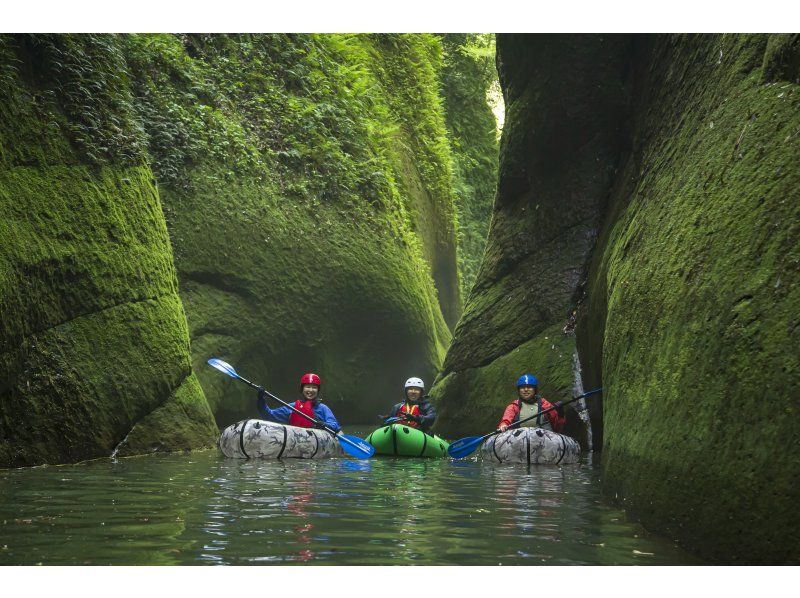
201	508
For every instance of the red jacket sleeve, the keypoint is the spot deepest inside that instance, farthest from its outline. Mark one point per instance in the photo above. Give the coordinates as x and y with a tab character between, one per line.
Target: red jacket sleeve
556	421
509	414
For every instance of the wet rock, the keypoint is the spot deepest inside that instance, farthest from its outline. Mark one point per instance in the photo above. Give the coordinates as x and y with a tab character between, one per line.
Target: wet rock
677	242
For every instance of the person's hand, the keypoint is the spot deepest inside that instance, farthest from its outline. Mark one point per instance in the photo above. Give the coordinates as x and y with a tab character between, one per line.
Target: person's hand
559	408
503	427
262	394
319	424
415	418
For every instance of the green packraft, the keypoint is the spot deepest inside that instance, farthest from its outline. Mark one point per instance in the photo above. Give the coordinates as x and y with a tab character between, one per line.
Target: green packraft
403	441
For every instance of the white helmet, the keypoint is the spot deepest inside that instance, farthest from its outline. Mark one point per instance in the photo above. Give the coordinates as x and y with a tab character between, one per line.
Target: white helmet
415	383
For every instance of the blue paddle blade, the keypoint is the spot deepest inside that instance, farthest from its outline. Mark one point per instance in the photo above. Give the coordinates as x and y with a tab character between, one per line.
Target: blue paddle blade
355	446
223	367
464	447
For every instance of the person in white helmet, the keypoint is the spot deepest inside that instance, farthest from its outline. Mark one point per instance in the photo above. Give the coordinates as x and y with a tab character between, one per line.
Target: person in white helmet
416	410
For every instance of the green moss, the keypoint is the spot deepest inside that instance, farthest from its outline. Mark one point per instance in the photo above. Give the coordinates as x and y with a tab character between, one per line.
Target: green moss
782	58
468	74
296	213
306	184
83	244
183	422
689	316
76	89
538	240
78	241
328	306
699	271
93	335
476	397
75	390
407	67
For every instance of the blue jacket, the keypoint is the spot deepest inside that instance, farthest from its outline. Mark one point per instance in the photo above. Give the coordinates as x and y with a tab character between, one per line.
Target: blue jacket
281	414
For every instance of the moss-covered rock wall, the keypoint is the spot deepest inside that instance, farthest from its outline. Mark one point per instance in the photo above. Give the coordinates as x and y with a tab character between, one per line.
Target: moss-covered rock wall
306	184
408	70
668	188
468	75
565	103
691	317
94	346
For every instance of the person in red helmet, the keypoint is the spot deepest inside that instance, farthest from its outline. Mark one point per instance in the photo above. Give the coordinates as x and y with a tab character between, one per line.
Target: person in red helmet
529	403
310	403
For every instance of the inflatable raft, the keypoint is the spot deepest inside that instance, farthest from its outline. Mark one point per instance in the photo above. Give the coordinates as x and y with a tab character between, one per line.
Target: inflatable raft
259	439
531	445
403	441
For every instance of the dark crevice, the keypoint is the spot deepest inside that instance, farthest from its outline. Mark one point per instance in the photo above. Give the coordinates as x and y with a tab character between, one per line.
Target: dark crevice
169	395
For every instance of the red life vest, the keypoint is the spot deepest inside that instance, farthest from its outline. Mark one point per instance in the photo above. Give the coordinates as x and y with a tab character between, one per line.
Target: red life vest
306	407
410	410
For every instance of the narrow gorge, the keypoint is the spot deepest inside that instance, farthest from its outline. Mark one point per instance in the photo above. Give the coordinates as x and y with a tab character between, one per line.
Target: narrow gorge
345	204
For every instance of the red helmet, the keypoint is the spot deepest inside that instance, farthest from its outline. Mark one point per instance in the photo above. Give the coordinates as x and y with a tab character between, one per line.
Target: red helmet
310	379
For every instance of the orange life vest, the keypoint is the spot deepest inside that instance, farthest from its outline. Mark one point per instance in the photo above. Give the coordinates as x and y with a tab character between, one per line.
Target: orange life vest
409	410
306	407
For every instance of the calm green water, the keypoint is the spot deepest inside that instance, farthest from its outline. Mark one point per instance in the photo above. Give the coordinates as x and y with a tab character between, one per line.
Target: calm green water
201	508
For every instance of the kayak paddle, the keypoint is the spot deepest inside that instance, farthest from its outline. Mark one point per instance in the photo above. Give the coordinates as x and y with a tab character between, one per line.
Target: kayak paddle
352	445
394	420
467	446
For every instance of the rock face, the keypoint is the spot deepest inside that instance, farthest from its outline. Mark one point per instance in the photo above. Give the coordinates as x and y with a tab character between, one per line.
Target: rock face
468	76
692	313
687	307
565	102
94	346
306	185
287	196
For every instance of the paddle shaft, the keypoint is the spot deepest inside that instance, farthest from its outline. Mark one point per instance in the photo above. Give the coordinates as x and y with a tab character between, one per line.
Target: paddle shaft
391	420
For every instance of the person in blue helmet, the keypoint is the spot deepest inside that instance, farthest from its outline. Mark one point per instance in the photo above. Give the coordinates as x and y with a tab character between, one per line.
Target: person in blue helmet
529	403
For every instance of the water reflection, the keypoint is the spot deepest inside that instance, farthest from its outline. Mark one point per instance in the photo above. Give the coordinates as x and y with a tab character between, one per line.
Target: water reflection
203	508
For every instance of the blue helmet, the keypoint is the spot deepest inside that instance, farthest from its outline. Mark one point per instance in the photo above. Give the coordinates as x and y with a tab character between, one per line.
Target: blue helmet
527	380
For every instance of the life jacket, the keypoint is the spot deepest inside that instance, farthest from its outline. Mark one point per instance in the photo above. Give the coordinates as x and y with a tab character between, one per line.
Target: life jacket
529	409
410	410
306	407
